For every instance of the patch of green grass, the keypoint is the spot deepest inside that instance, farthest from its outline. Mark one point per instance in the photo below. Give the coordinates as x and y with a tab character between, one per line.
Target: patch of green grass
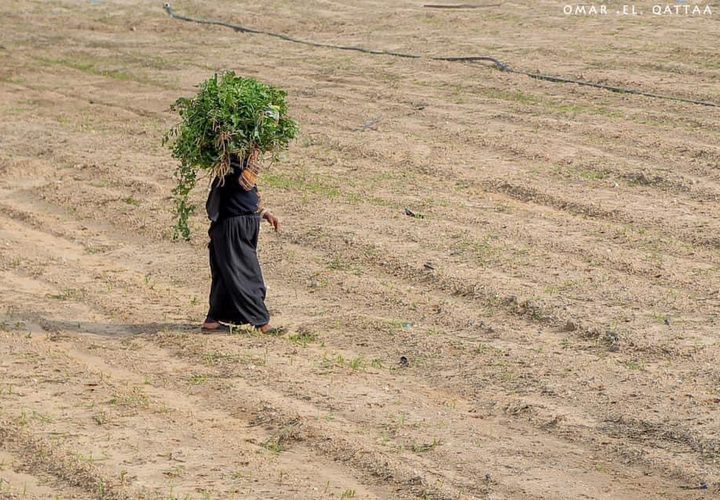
512	96
216	358
244	329
303	183
329	362
241	475
89	67
486	349
506	374
578	172
354	198
503	208
7	77
9	326
425	447
274	446
68	294
347	494
28	416
89	458
198	379
357	363
663	319
303	338
337	263
359	198
148	282
149	61
318	280
132	201
279	441
563	287
391	327
483	251
308	141
577	109
388	178
634	365
339	361
17	110
175	471
592	175
100	418
133	398
6	390
14	263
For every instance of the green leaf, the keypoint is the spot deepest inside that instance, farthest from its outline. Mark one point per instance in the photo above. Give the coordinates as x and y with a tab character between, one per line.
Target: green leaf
229	115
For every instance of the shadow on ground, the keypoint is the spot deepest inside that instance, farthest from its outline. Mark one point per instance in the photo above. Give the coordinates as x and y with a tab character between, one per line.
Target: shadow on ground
37	324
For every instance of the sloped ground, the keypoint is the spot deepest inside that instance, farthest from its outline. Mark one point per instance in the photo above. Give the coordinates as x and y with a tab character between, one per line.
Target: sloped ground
557	304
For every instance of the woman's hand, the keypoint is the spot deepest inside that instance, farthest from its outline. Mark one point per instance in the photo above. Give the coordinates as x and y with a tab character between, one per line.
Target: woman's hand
274	221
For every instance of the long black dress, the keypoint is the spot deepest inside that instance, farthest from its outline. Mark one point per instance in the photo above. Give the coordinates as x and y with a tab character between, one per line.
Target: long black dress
237	292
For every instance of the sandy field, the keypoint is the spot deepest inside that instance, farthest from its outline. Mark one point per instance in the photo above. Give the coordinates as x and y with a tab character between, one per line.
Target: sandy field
547	329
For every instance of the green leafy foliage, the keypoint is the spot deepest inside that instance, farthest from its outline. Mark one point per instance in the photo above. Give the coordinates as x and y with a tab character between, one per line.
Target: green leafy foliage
230	116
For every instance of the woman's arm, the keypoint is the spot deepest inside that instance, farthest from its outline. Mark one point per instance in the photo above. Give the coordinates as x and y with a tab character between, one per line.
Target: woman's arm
267	215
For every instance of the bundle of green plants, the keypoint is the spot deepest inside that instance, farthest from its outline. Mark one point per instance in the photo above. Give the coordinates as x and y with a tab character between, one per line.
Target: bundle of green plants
231	116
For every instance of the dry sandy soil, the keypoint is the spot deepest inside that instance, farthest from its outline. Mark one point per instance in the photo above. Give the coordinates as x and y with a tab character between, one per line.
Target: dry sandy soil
558	303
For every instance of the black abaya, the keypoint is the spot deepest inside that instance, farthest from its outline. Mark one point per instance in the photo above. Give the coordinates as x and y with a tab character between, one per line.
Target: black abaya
237	293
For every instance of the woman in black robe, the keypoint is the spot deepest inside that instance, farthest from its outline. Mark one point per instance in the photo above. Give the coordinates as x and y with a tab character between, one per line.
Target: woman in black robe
237	292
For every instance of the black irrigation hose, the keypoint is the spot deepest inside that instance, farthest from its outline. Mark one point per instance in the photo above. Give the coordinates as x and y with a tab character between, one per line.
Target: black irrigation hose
243	29
498	64
620	90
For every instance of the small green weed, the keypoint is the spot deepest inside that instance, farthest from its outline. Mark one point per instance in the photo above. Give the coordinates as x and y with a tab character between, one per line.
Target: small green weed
303	338
134	398
425	447
198	379
339	361
68	294
634	365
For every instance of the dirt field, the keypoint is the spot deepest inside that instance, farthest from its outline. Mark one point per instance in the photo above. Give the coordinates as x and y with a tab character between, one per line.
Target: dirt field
557	305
